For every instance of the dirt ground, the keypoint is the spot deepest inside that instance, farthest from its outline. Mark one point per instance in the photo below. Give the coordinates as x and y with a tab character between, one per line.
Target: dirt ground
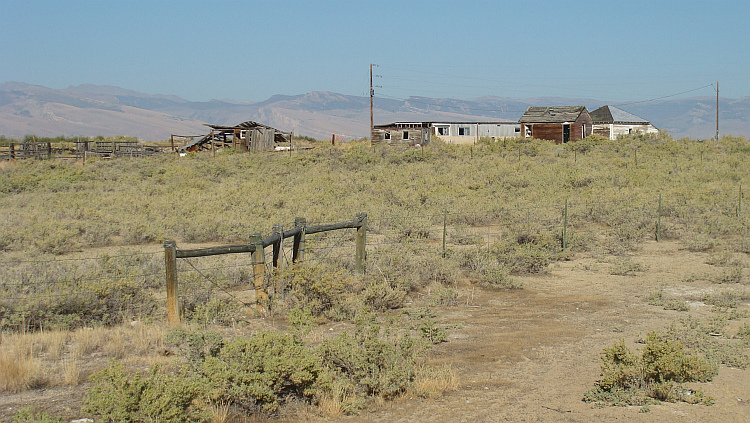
529	355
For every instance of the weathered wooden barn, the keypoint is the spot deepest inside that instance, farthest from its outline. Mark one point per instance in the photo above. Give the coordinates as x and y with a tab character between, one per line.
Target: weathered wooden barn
560	124
402	133
246	136
611	122
413	133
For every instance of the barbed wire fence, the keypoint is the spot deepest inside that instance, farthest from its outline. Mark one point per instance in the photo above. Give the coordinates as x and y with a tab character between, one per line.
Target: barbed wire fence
32	289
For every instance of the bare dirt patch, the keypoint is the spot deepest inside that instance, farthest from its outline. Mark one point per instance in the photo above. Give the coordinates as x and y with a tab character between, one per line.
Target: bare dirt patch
529	355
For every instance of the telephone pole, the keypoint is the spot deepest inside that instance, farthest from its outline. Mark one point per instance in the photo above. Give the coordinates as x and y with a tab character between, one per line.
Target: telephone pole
372	123
717	110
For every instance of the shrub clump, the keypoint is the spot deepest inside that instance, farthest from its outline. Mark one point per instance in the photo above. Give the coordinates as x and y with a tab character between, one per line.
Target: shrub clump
118	396
657	374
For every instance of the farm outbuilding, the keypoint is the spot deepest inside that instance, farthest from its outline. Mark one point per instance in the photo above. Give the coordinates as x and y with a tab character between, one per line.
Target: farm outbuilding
560	124
246	136
402	133
413	133
612	122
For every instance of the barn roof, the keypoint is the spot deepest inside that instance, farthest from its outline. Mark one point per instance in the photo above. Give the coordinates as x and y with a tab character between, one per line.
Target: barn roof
556	114
611	114
244	125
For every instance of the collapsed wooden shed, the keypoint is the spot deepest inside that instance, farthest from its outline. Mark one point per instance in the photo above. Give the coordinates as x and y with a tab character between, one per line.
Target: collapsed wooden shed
246	136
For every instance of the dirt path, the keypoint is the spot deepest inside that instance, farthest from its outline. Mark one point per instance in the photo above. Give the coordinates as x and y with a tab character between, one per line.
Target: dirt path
530	355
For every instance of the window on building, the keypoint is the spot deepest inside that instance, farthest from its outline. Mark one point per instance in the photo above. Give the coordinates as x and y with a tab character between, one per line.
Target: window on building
517	130
442	130
464	130
405	135
387	135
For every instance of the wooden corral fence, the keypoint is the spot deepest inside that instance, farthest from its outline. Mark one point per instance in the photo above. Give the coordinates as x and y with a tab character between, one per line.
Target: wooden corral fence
26	150
256	247
86	149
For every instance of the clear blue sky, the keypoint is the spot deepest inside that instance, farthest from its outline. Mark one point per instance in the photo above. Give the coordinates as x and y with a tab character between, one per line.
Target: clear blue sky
249	50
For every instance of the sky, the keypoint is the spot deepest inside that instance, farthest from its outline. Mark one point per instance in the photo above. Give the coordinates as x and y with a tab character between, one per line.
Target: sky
616	51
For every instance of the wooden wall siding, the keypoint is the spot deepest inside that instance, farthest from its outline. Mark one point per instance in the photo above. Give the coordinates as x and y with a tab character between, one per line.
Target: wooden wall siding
262	139
547	131
414	136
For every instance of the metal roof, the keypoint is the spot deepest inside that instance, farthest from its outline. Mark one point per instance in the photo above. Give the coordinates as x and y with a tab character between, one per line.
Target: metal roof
611	114
556	114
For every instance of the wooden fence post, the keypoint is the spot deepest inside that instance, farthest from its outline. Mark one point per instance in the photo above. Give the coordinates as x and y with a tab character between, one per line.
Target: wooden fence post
298	248
658	221
565	226
277	251
259	276
445	227
739	202
170	264
361	255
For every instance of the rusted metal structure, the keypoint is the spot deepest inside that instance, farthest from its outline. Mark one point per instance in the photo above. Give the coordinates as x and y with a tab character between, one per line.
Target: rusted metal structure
560	124
246	136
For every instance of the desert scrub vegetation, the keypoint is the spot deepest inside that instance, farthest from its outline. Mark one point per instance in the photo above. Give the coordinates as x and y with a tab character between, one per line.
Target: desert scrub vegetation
687	351
658	373
500	206
57	207
260	373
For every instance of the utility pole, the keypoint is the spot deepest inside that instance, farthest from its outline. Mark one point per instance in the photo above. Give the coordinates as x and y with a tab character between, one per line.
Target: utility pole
372	123
717	110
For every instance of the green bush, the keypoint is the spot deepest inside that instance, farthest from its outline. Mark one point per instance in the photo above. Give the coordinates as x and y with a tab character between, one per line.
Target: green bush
380	363
657	374
27	415
321	290
262	371
118	396
101	302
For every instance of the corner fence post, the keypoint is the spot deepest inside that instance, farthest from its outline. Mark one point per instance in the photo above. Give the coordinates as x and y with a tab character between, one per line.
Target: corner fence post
277	229
361	254
298	248
170	264
259	277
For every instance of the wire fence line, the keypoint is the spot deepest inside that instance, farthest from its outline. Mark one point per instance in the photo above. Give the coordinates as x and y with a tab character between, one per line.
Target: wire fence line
226	276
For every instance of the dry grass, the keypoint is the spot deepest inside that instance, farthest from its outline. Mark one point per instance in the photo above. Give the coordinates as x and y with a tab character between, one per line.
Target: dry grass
220	412
433	382
71	372
56	357
19	369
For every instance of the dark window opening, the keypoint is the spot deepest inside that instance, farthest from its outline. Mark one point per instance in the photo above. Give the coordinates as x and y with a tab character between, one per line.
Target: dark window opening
566	133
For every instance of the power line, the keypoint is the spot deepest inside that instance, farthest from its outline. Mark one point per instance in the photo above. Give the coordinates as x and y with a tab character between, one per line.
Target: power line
412	100
663	97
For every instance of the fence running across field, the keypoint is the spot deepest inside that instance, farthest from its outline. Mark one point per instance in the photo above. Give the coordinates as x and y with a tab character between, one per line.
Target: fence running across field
218	273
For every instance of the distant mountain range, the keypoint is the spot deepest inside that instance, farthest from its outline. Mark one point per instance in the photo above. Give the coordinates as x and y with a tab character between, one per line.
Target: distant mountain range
91	110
